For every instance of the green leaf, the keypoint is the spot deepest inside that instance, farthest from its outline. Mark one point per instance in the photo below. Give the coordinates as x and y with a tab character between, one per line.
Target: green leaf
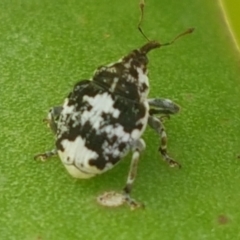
230	10
46	46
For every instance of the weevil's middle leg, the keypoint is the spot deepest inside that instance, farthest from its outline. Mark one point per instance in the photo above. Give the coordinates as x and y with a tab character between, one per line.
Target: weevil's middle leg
162	106
157	125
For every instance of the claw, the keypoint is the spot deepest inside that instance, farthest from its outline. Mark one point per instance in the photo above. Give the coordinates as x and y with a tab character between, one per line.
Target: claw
162	118
48	122
133	203
41	156
173	163
44	156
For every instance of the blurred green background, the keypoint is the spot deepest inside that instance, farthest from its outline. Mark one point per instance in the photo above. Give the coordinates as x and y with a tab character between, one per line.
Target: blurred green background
231	10
46	46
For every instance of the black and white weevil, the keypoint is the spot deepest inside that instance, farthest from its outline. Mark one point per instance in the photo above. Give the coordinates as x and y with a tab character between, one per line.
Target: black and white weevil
103	118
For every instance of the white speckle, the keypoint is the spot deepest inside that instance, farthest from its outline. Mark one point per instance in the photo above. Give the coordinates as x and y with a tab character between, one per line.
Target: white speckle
128	64
101	103
114	84
116	113
135	134
116	153
143	78
67	109
119	131
80	155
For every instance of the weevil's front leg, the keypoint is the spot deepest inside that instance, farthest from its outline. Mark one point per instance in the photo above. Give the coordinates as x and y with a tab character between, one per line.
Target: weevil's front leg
138	146
44	156
157	125
162	106
52	118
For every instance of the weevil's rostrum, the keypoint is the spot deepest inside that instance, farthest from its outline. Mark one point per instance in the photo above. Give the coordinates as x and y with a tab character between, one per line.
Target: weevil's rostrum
103	118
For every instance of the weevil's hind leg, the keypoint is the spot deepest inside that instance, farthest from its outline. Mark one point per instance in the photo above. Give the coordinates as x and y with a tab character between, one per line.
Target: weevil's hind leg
52	118
137	148
157	125
44	156
113	199
162	106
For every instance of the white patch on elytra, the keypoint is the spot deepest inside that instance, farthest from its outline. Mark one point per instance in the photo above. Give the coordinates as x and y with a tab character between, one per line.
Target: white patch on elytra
142	80
76	152
66	108
101	103
76	173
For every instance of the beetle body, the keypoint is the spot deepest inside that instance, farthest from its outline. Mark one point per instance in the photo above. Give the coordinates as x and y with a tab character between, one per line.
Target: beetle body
103	118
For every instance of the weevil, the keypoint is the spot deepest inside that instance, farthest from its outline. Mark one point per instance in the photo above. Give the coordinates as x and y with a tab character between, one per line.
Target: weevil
103	118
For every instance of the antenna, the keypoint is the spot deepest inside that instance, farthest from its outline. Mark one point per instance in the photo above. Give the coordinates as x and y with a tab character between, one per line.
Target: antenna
155	44
142	5
188	31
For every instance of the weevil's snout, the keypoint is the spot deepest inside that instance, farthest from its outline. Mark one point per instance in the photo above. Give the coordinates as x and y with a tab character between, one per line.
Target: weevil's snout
139	57
149	46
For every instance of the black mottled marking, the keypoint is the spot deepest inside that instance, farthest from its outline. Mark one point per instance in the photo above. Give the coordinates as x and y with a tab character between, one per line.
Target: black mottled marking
119	67
121	146
144	87
59	145
89	107
139	126
138	58
79	86
133	72
130	113
114	139
105	78
125	72
124	88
